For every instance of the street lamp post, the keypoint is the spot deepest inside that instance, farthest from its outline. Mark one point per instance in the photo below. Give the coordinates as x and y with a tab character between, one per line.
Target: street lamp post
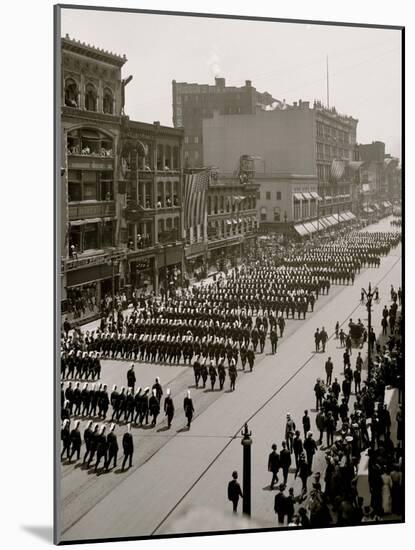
246	475
369	296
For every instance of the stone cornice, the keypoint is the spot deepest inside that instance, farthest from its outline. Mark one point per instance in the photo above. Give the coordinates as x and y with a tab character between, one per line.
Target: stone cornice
81	48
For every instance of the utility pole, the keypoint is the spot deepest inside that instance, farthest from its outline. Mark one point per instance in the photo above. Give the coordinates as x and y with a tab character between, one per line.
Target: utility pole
246	476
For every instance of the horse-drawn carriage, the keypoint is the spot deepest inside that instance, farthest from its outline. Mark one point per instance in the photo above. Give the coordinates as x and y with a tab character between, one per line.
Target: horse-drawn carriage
357	331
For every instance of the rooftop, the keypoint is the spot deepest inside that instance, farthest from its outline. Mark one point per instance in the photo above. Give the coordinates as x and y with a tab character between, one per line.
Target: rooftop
76	46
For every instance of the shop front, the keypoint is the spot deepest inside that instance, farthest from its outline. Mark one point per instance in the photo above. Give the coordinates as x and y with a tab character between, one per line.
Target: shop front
86	288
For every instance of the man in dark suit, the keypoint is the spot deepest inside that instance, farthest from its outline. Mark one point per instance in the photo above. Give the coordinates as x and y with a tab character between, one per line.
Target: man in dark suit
273	465
101	447
234	491
128	447
169	407
188	408
112	448
280	504
285	461
131	380
76	441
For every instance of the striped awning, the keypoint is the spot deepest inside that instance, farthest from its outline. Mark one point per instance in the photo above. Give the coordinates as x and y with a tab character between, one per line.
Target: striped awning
317	226
307	196
332	220
387	204
301	230
298	196
337	169
343	217
376	206
310	227
351	215
368	210
324	222
84	222
315	196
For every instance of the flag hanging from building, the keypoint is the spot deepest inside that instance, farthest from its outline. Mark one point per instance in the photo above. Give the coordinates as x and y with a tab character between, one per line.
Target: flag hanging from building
195	193
337	169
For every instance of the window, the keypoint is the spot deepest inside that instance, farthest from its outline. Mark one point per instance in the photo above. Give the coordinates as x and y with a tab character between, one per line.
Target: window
75	239
90	98
320	172
107	233
71	93
277	214
304	212
89	180
263	214
278	195
90	236
268	195
196	155
313	208
186	139
196	139
108	104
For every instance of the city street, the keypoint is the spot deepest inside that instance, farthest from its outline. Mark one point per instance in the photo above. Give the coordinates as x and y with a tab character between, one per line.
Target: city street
175	470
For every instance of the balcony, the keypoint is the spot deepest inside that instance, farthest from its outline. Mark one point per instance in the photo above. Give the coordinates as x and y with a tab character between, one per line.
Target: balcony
93	209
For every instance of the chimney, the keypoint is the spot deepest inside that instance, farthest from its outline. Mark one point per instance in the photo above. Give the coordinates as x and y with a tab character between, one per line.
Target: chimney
248	83
305	104
156	123
220	82
295	104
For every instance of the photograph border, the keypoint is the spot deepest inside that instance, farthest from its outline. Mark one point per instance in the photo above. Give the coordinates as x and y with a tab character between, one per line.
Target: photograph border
57	156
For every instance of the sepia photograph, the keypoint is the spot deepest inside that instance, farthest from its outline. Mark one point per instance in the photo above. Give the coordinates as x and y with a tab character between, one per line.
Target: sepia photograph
229	294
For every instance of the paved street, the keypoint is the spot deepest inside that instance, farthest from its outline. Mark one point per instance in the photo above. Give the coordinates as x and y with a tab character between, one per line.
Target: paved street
176	470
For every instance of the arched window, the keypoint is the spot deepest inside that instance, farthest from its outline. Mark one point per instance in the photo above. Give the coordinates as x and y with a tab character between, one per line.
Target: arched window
90	98
263	214
160	227
71	93
169	224
108	103
277	214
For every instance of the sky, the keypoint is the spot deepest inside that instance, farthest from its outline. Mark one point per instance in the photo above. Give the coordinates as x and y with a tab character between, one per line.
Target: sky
288	60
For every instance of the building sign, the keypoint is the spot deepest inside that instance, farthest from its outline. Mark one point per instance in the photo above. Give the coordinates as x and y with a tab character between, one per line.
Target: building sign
70	264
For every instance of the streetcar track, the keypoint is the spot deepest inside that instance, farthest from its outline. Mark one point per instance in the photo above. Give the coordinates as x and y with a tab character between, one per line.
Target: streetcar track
214	460
231	437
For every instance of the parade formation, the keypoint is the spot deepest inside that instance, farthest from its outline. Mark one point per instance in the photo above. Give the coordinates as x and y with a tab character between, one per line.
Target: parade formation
223	327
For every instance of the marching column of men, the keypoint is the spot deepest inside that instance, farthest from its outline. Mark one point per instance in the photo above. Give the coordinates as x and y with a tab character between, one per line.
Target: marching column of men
132	408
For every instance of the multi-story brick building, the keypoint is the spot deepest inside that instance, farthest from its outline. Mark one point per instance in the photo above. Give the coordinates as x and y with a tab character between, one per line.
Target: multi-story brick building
91	246
293	144
193	102
152	158
121	224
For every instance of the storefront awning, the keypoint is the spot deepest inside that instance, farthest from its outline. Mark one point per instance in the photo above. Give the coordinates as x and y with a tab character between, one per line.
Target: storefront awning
376	206
366	188
298	196
351	215
310	227
315	196
387	204
229	222
307	196
84	222
368	210
301	230
343	217
316	225
332	220
324	222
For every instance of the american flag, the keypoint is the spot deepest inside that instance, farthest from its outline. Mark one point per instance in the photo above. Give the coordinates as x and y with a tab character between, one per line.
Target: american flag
195	188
